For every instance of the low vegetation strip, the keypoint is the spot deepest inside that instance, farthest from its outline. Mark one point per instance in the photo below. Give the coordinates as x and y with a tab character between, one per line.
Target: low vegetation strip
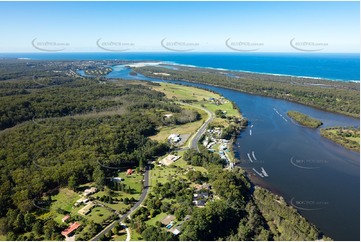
348	137
304	119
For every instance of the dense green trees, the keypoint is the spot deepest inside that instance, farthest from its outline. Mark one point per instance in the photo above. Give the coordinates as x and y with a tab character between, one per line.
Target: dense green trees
152	233
201	159
213	222
184	116
51	151
341	97
219	113
284	221
239	211
16	224
44	157
230	215
78	97
23	102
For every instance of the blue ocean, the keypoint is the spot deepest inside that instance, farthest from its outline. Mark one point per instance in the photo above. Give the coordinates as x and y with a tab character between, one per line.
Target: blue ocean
344	67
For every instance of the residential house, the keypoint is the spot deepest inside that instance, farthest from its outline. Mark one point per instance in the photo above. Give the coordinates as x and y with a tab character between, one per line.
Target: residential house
70	230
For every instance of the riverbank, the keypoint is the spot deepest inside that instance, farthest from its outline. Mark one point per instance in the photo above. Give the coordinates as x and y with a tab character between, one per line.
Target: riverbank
199	97
225	118
275	141
343	99
348	137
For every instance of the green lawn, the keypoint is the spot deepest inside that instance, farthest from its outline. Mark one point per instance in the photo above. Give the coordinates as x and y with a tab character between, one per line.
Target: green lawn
216	147
178	92
228	107
159	217
65	199
184	92
99	214
116	194
183	164
122	236
134	181
188	128
176	170
162	174
134	235
75	210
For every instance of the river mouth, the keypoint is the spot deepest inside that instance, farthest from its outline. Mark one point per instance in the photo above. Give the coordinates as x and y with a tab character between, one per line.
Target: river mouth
316	176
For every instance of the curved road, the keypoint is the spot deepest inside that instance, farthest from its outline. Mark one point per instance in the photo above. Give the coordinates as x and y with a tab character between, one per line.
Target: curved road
193	144
136	205
196	137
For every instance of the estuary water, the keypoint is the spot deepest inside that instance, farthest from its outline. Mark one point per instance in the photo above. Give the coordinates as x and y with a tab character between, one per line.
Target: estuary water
318	177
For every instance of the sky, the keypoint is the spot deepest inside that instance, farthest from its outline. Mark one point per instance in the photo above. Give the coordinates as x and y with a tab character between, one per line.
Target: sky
180	26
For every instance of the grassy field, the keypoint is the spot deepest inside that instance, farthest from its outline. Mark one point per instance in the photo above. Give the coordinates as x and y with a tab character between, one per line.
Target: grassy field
122	236
162	174
228	107
65	200
99	214
191	93
178	92
119	205
134	181
184	92
183	164
159	217
188	128
219	122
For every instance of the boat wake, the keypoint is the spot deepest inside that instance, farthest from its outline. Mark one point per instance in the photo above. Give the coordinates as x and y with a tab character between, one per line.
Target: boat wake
249	157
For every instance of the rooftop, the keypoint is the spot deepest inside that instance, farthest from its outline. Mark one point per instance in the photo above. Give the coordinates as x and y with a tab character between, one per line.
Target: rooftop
66	218
70	229
168	219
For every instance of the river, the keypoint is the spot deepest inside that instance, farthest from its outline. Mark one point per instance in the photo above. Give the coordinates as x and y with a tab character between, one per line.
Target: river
318	177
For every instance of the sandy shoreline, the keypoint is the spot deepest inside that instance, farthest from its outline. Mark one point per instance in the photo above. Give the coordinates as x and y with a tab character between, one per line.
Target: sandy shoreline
143	64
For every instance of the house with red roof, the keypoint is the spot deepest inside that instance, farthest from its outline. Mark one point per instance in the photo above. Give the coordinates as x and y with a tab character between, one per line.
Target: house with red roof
65	218
70	229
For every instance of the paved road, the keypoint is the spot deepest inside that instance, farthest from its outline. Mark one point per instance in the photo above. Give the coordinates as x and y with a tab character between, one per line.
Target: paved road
201	130
136	205
128	233
193	144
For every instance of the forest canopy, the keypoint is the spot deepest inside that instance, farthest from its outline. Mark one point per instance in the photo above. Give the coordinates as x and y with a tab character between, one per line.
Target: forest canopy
334	96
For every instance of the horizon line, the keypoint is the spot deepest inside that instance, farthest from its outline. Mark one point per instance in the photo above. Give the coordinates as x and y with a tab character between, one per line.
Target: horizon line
179	52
